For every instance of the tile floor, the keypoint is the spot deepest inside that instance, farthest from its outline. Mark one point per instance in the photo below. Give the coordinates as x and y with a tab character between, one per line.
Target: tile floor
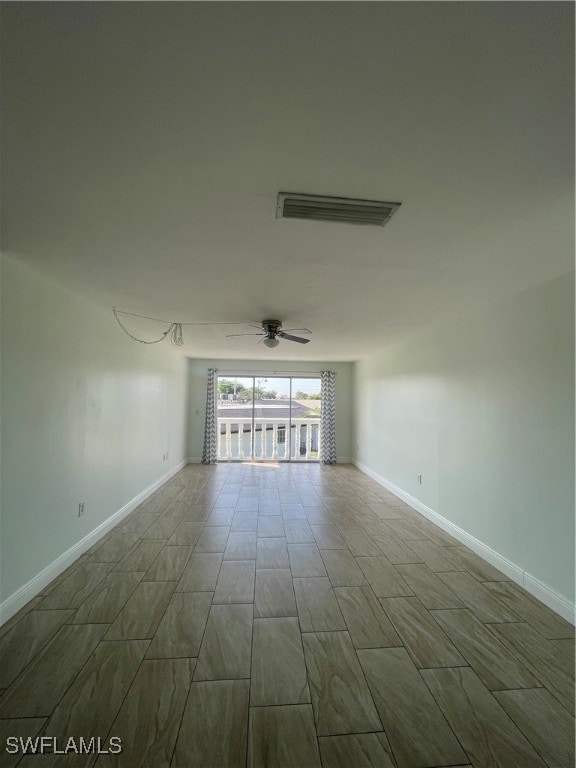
287	616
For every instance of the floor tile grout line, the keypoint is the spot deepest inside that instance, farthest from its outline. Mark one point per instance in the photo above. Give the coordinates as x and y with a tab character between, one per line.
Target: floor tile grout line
441	710
184	710
207	618
72	681
26	717
128	689
536	672
519	725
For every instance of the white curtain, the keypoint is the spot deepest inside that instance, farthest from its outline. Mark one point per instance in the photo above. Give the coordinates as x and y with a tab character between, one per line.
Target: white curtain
328	418
210	451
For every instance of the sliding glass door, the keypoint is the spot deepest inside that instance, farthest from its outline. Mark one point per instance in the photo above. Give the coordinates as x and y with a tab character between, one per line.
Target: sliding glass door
305	424
268	418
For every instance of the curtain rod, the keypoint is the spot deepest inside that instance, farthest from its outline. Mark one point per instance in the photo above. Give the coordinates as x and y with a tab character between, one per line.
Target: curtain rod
259	374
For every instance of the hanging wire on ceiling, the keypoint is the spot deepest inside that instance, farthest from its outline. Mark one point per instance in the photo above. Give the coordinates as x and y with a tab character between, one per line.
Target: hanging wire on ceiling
141	341
174	329
176	336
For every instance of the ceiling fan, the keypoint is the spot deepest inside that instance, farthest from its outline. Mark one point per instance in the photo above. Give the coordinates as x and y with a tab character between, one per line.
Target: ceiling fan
271	333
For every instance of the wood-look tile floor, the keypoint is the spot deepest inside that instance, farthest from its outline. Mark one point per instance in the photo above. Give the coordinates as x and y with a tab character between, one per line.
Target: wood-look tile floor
264	615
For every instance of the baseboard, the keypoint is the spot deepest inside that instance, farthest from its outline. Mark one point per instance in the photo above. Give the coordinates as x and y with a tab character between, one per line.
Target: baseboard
24	594
549	597
530	583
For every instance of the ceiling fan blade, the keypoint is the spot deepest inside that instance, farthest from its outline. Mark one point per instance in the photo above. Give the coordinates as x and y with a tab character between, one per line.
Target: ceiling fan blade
302	330
229	335
292	338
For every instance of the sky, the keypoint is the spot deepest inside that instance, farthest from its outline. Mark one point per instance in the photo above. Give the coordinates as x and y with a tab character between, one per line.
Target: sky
281	385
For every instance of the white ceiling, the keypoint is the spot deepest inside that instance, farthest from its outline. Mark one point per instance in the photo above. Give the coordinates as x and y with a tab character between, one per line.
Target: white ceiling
144	145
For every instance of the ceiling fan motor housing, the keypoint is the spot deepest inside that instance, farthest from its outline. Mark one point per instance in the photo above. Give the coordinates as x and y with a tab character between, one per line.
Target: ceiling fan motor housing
271	327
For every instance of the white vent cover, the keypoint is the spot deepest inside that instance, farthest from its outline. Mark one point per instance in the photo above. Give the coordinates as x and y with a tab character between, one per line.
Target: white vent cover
292	205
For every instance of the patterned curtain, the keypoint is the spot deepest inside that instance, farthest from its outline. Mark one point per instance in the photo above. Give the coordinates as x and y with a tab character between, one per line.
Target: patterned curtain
328	418
210	451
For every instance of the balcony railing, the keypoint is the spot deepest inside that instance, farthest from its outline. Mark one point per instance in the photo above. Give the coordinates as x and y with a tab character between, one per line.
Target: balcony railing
272	439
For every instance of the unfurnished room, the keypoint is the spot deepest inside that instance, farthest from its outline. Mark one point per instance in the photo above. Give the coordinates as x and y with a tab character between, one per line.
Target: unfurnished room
287	385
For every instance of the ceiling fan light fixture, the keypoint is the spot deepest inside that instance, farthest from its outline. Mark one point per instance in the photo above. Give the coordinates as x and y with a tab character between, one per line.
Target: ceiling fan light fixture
271	342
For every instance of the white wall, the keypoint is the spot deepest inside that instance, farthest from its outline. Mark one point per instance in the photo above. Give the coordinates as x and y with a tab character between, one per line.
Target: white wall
87	415
198	373
484	410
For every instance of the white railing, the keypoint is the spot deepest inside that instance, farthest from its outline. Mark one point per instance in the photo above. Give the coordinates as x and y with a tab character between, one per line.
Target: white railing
272	439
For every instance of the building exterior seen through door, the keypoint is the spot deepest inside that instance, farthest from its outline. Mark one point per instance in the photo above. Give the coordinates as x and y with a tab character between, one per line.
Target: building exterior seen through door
268	418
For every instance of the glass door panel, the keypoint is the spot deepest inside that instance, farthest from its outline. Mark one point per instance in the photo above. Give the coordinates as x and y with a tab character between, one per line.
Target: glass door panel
306	405
272	418
235	418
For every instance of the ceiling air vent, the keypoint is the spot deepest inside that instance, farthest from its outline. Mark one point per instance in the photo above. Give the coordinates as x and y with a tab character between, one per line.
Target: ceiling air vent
292	205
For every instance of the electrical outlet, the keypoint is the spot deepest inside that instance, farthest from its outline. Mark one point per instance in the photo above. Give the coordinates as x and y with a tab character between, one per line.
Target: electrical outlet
80	508
419	478
167	455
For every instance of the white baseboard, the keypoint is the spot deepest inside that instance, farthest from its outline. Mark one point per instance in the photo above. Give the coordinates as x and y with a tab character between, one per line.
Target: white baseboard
24	594
549	597
530	583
